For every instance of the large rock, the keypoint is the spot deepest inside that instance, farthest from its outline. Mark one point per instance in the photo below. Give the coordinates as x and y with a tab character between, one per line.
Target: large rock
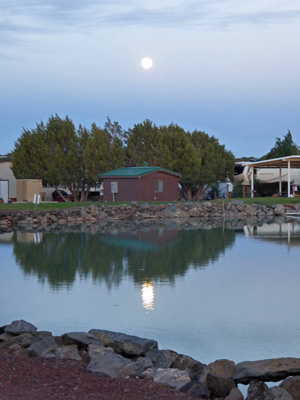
133	369
43	348
69	352
174	212
193	367
169	376
279	209
162	358
219	378
21	326
107	363
235	394
196	390
258	391
81	339
292	385
195	212
95	351
125	344
273	370
250	210
280	394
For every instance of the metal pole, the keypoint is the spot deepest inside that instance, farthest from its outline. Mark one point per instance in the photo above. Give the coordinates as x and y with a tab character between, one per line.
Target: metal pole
252	182
280	181
289	179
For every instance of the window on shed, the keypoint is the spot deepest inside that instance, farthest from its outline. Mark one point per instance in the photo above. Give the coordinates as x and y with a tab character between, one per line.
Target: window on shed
159	186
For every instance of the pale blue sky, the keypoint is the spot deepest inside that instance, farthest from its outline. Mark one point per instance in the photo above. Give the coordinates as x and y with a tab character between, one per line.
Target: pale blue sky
227	67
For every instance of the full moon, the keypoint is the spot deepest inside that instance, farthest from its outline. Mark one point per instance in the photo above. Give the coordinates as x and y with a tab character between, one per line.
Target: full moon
146	63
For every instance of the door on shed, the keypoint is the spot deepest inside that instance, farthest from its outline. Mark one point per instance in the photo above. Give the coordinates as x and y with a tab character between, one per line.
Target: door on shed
4	191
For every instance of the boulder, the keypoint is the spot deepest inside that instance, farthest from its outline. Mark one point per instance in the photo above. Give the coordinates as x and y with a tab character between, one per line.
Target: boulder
174	212
94	350
6	336
195	212
279	209
274	369
134	369
69	352
125	344
193	367
280	394
21	326
235	394
250	210
196	390
292	385
146	361
258	391
94	210
43	348
219	378
169	376
81	339
162	358
107	363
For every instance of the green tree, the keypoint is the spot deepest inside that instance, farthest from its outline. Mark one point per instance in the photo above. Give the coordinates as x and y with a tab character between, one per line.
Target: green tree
199	158
282	148
62	156
102	153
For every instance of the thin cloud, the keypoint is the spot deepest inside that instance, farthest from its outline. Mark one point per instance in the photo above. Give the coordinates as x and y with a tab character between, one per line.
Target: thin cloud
56	16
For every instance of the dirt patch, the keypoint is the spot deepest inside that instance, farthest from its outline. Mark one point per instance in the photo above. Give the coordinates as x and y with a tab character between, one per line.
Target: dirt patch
39	378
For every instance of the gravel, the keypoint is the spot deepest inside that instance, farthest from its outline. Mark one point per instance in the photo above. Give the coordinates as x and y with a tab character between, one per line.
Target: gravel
57	379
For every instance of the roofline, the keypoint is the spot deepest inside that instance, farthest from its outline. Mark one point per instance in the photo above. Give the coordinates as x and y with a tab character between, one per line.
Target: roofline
272	161
166	171
5	158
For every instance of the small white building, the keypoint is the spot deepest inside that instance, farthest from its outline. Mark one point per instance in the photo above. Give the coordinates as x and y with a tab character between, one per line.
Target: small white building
8	183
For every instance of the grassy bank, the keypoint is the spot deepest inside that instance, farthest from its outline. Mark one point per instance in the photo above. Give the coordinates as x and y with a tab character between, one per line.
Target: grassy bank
51	206
266	201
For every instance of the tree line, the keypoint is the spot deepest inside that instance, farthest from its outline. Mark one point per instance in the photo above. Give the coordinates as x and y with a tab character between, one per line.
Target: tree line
65	156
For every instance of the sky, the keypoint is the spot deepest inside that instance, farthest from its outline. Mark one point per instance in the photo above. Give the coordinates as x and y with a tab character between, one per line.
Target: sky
226	67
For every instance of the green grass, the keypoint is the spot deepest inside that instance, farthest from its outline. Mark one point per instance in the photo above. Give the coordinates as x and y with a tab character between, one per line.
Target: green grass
52	206
42	206
265	200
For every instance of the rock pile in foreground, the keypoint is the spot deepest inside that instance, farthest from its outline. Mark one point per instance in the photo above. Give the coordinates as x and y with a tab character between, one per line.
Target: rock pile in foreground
117	355
140	212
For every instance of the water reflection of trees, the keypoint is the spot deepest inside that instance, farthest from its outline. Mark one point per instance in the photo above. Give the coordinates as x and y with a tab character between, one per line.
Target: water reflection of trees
60	258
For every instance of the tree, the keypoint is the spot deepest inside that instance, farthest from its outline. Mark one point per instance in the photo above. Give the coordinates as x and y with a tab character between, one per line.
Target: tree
102	153
282	148
200	158
60	155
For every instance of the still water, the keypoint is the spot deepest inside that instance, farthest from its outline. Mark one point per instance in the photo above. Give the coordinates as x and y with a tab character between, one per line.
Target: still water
209	293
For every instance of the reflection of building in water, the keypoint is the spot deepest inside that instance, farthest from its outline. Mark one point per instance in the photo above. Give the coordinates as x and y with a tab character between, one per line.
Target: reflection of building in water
6	237
286	233
148	295
29	237
148	239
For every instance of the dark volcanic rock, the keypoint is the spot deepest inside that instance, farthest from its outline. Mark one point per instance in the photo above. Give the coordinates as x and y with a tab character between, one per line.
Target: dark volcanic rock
292	385
273	369
81	339
21	326
107	363
125	344
219	378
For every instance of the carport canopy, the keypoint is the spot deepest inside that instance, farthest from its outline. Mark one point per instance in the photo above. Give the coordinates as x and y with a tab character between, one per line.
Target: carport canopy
282	162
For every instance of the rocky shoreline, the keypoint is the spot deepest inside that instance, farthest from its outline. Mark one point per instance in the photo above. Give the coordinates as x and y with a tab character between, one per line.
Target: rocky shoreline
134	212
117	355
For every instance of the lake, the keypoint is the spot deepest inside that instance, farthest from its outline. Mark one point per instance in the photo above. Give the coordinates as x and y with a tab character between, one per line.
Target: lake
209	292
